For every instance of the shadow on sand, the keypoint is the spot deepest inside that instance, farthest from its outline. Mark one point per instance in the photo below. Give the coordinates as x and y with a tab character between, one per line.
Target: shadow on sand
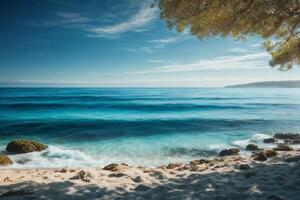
270	182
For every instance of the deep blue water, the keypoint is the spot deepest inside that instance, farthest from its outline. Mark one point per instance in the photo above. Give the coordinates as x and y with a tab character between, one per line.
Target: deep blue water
94	127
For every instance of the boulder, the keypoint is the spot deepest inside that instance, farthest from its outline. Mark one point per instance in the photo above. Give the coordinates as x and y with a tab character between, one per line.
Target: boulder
111	167
270	140
287	136
229	152
24	146
4	160
82	175
115	167
244	167
252	147
261	156
283	147
270	153
173	165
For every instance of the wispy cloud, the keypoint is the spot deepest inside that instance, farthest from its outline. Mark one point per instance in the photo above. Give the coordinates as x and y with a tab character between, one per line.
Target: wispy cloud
238	50
256	45
168	40
156	44
141	50
61	19
135	23
92	25
154	61
247	61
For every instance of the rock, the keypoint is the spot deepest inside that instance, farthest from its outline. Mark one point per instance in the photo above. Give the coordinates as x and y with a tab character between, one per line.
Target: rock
285	136
115	167
111	167
288	141
82	175
198	162
261	156
173	165
270	153
252	147
137	179
283	147
270	140
244	166
229	152
194	168
142	188
64	170
296	141
117	175
4	160
24	146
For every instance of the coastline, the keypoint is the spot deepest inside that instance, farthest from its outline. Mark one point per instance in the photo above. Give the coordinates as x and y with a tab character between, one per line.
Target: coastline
230	177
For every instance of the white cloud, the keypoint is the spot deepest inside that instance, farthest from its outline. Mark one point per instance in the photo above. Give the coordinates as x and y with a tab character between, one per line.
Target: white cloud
238	50
247	61
156	44
154	61
141	50
165	40
61	19
136	23
256	45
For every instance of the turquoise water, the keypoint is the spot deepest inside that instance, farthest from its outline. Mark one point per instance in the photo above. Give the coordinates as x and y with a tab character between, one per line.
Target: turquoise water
95	127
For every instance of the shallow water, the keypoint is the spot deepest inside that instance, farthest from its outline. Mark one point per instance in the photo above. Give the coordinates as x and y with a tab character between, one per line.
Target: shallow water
94	127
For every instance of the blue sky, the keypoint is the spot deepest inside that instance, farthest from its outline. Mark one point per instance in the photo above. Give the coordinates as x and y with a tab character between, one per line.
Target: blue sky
118	43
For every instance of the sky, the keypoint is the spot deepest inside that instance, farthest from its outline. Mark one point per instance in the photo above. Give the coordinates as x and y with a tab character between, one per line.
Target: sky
118	43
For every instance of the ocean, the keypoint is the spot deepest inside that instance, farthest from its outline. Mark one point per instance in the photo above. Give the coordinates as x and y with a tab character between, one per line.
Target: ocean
93	127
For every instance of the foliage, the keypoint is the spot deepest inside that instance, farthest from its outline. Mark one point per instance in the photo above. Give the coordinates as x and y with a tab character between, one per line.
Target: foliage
276	21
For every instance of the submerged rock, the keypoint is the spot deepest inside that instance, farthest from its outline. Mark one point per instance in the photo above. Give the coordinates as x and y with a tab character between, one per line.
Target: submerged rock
229	152
270	140
25	146
4	160
252	147
283	147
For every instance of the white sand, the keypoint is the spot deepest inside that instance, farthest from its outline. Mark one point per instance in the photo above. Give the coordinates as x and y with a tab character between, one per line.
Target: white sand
217	179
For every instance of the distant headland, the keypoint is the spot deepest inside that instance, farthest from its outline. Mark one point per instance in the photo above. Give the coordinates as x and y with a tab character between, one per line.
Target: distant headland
268	84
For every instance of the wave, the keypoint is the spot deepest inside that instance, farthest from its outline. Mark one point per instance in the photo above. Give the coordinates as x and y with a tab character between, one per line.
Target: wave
128	106
76	130
110	98
54	157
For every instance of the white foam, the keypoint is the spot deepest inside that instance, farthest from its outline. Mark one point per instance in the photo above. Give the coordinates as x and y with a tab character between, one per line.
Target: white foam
53	157
255	139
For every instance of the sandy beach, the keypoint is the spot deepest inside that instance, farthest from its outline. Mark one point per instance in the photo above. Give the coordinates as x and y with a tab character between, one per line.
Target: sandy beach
232	177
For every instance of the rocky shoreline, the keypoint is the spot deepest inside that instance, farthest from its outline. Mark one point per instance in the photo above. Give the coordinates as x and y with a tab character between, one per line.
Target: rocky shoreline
267	174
